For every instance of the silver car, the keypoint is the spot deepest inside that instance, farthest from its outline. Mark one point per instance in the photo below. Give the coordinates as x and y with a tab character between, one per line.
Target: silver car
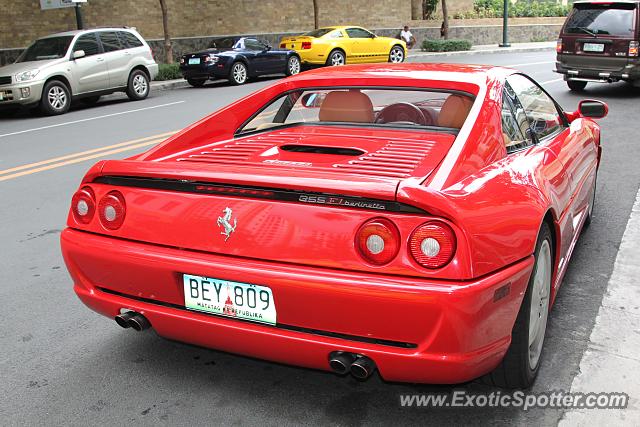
78	65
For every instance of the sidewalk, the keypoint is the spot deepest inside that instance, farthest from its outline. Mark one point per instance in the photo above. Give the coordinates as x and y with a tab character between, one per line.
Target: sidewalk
415	53
611	362
490	49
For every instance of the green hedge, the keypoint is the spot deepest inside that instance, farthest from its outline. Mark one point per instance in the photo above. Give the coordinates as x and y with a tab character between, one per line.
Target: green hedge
521	9
168	72
445	45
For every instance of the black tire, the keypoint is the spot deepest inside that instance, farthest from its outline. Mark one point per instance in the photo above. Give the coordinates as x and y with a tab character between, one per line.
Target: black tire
515	370
138	85
396	54
197	82
90	100
293	65
56	98
576	85
238	74
592	202
336	58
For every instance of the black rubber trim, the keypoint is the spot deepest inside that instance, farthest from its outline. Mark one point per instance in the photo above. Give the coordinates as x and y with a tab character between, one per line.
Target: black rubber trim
368	340
312	198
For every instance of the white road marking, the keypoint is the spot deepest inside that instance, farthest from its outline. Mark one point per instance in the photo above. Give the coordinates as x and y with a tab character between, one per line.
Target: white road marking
611	362
528	63
548	82
89	119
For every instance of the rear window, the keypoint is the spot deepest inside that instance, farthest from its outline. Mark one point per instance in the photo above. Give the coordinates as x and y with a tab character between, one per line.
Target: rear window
601	19
318	33
365	107
129	39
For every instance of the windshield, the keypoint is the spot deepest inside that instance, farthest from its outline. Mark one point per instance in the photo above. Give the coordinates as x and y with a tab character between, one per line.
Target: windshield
596	19
224	43
413	108
49	48
319	32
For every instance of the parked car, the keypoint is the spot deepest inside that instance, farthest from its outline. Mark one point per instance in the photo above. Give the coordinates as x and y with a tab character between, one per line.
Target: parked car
414	218
599	43
78	65
343	44
237	59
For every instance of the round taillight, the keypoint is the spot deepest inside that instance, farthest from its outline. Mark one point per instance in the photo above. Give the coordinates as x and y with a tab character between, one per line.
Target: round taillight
112	210
378	241
83	205
433	244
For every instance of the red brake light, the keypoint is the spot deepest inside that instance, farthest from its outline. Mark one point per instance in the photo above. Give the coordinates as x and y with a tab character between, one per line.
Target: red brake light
306	45
283	45
112	210
559	46
378	241
83	205
633	48
433	244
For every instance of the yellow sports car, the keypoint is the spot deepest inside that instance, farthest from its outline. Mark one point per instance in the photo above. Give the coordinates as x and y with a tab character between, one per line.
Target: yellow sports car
345	44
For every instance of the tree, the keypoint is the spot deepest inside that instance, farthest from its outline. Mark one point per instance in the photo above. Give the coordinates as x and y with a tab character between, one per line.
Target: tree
444	30
168	48
315	14
428	8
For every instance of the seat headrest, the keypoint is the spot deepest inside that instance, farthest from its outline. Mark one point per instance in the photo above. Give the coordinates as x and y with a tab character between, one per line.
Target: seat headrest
346	106
454	111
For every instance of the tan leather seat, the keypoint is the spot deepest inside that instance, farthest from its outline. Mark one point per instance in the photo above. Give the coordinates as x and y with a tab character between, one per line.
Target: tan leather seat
454	111
346	106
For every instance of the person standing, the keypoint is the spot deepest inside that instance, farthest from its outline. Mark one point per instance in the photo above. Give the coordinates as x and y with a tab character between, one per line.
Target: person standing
407	36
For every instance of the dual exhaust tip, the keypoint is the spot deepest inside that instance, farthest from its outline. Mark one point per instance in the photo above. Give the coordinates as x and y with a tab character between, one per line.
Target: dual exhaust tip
131	319
342	363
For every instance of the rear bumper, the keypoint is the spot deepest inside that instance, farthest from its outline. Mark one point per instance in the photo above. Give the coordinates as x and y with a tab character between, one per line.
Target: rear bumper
594	72
415	330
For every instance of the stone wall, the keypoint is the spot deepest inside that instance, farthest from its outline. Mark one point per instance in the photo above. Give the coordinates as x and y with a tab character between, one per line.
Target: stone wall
23	21
486	31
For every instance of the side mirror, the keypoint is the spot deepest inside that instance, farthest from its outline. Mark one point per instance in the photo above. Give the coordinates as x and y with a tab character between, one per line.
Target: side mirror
78	54
592	109
312	100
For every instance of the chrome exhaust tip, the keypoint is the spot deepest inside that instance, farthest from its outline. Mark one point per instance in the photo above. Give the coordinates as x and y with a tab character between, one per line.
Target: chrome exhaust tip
138	322
122	319
131	319
362	368
340	361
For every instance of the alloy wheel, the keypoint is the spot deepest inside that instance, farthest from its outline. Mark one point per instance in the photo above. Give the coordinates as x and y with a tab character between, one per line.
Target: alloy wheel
140	85
337	58
239	73
294	65
539	308
57	97
396	55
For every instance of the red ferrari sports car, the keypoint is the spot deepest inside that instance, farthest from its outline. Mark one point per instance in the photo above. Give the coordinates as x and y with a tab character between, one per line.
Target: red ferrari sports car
416	219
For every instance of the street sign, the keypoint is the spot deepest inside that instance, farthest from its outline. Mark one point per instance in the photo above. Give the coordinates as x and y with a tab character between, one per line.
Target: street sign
57	4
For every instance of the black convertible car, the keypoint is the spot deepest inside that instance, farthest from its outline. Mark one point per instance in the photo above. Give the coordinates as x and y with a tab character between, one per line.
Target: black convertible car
237	59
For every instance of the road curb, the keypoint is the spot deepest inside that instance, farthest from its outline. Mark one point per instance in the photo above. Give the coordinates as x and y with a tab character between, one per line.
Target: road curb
501	50
169	84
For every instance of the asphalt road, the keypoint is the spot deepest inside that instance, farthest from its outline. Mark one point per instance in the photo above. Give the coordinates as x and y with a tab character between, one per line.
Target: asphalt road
62	364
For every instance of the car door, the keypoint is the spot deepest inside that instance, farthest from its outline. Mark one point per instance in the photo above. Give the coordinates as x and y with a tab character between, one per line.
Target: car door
116	57
360	42
276	59
572	145
258	55
90	73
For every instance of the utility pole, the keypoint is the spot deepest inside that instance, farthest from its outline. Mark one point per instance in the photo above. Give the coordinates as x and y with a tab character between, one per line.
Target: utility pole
79	20
505	23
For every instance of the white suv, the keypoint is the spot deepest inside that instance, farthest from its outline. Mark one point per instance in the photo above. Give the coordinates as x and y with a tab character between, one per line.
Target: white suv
78	65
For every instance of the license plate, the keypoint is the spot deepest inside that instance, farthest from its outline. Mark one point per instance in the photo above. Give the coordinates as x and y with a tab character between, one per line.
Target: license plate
194	61
593	47
233	299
